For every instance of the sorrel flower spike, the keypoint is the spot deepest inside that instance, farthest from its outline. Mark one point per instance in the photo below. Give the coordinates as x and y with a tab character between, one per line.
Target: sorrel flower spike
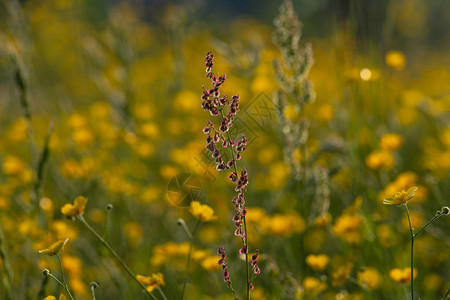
226	109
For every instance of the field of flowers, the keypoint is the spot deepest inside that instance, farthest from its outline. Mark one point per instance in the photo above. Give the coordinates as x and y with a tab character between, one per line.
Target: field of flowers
310	161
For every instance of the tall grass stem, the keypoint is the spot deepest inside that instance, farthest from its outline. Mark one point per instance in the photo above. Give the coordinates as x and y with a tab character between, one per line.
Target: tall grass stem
116	256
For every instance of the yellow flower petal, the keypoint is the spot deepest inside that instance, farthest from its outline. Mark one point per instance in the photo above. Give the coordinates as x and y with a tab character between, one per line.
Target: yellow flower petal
202	212
401	197
79	204
54	249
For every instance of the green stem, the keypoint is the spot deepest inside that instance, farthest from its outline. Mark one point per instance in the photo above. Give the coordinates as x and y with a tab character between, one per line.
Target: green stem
428	223
63	276
189	256
116	256
105	232
161	292
246	259
412	252
245	223
447	295
56	279
93	292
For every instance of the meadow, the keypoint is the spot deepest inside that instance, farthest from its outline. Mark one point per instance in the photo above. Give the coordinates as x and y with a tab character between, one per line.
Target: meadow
310	161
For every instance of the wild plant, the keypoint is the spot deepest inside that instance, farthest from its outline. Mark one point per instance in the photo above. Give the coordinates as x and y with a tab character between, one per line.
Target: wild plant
218	140
295	89
75	211
401	198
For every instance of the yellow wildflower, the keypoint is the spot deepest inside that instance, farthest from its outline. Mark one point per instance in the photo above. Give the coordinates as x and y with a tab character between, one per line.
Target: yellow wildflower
202	212
401	197
395	59
380	160
283	225
340	275
370	278
54	249
347	227
151	282
317	262
391	141
76	209
313	286
170	252
402	275
13	165
50	298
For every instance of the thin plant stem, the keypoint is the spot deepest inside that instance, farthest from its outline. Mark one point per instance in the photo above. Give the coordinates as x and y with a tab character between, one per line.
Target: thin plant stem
63	276
189	256
412	252
56	279
116	256
182	223
108	215
93	292
40	168
93	285
246	260
245	223
447	295
161	292
428	223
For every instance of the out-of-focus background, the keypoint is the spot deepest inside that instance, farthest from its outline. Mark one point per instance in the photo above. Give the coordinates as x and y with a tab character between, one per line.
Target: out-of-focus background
115	86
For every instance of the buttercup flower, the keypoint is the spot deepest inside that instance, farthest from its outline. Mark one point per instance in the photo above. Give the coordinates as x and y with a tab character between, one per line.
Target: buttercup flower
391	141
401	197
54	249
151	282
317	262
402	275
202	212
75	209
370	278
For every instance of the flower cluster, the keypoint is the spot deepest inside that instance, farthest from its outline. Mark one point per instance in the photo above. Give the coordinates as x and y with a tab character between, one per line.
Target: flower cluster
215	104
227	108
222	262
254	263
